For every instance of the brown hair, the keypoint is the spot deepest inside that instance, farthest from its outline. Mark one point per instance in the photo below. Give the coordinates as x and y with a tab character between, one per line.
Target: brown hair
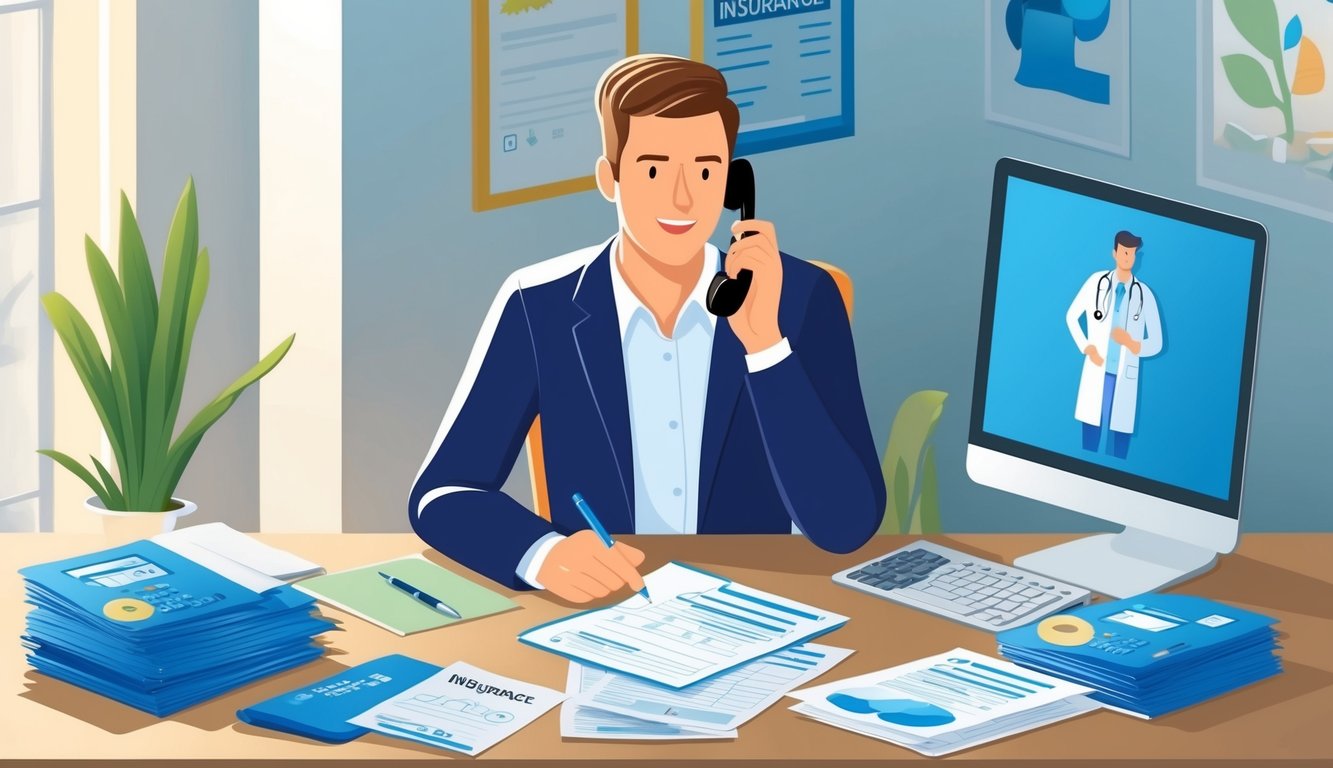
665	86
1128	239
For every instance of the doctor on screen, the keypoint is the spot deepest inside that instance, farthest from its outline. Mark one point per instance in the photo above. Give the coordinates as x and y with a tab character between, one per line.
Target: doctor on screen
1123	328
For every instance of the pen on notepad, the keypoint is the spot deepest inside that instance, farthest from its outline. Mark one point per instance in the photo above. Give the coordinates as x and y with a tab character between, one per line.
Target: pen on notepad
433	602
597	528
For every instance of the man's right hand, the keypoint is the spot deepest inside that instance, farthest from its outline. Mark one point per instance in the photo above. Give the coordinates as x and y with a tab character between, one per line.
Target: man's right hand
581	568
1091	351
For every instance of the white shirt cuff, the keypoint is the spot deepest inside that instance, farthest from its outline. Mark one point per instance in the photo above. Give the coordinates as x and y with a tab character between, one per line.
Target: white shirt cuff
535	557
767	358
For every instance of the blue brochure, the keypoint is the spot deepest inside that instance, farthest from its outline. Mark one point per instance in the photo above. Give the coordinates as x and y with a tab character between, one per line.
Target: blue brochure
1152	654
153	629
321	711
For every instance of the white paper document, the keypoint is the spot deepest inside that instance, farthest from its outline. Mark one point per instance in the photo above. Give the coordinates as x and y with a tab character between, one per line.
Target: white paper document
460	708
724	702
944	703
697	625
237	556
579	722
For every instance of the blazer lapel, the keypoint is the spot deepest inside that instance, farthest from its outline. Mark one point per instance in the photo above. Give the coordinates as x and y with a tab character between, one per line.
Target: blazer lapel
726	375
597	338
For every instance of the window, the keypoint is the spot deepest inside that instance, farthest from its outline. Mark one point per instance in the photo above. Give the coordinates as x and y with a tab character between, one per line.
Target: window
25	264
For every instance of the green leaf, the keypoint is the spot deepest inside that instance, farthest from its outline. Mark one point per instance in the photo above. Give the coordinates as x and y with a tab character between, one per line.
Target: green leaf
196	303
115	499
1249	80
928	503
166	373
125	379
1256	20
900	495
913	425
184	446
80	472
86	356
136	278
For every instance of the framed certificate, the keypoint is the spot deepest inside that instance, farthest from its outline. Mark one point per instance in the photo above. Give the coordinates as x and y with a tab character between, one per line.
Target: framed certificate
535	65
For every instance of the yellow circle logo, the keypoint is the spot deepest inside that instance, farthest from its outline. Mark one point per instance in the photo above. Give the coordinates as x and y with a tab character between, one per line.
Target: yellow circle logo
1064	630
127	609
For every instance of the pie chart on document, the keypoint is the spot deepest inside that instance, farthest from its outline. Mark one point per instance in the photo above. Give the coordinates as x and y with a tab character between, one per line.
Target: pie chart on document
907	712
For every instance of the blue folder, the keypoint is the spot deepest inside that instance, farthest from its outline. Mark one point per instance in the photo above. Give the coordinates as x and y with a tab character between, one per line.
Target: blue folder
321	711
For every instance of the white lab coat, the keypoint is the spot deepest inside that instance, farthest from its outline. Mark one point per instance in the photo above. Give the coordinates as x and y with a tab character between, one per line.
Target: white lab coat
1147	329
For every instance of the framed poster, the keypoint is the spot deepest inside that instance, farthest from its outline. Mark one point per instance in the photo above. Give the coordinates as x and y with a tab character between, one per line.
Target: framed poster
1265	102
535	65
789	67
1060	70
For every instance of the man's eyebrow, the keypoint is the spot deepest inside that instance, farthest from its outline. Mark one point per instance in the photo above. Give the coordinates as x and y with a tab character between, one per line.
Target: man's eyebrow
707	158
662	158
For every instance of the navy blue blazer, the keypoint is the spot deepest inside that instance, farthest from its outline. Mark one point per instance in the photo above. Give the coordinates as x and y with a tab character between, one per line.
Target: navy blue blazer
790	443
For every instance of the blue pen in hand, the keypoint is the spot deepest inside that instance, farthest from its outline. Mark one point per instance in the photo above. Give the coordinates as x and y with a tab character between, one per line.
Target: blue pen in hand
596	526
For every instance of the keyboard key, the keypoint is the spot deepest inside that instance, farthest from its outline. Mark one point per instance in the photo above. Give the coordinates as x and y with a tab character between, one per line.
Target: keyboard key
1007	605
938	591
939	602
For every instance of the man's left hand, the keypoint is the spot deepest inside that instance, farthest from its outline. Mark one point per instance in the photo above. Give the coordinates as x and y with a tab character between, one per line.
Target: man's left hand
1123	338
756	322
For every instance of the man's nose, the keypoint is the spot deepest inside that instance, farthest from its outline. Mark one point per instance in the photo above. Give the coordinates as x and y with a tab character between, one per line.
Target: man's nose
680	196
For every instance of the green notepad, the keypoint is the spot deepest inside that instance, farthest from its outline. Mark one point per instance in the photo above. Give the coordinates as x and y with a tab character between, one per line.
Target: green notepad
362	592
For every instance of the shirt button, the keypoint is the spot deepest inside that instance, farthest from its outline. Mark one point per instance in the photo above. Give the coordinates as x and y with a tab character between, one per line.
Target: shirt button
673	423
666	356
676	491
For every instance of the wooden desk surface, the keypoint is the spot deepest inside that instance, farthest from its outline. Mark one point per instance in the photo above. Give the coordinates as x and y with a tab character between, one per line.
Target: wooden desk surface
1289	576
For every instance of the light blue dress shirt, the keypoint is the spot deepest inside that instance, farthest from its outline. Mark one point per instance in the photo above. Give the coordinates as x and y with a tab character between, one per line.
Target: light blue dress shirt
1120	293
667	383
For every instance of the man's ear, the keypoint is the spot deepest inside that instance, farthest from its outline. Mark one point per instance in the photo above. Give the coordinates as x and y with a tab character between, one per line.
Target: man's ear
606	179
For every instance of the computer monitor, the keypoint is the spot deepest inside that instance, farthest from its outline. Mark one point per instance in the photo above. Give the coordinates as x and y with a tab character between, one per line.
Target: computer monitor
1115	369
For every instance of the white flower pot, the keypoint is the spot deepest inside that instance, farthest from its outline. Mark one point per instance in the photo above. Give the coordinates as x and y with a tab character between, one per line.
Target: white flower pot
132	526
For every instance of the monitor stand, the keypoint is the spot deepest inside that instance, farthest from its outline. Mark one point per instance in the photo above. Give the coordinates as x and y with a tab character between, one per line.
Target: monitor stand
1121	564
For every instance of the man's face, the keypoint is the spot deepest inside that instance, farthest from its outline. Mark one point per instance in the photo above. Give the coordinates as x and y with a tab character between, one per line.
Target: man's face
1124	257
673	173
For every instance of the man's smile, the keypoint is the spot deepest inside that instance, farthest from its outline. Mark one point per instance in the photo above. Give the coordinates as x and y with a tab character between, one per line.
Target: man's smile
676	226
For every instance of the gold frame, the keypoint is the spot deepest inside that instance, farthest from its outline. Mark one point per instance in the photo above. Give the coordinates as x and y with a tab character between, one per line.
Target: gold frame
483	199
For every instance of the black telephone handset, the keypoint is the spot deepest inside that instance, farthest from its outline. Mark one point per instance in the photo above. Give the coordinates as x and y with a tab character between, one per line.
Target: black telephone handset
725	294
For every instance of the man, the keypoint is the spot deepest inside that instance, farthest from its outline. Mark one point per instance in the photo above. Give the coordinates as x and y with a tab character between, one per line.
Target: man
1123	328
666	418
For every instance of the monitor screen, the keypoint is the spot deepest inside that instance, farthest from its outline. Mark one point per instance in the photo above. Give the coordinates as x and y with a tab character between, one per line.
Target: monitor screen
1117	336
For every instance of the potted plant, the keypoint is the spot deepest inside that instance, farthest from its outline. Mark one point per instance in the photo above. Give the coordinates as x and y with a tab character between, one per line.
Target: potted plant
137	392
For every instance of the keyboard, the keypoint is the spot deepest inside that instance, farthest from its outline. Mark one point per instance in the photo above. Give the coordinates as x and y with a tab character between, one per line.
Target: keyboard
962	587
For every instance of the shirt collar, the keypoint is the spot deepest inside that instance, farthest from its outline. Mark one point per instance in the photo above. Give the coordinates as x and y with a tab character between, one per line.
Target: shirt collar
628	305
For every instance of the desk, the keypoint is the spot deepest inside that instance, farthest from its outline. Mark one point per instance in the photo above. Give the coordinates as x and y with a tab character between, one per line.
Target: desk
1289	576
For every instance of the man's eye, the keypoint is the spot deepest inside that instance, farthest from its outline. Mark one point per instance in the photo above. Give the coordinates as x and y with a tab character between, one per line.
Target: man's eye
652	171
705	174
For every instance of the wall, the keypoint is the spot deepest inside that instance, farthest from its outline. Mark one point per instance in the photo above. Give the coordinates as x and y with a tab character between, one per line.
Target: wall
198	114
903	206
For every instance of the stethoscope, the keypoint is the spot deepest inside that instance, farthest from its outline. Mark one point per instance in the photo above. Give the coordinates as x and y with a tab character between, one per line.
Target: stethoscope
1097	313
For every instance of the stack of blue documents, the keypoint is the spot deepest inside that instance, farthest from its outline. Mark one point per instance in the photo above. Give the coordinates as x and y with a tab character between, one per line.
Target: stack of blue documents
1152	654
152	629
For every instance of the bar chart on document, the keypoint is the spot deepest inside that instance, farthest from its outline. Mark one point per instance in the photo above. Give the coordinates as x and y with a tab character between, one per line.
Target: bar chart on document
545	59
697	625
788	67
